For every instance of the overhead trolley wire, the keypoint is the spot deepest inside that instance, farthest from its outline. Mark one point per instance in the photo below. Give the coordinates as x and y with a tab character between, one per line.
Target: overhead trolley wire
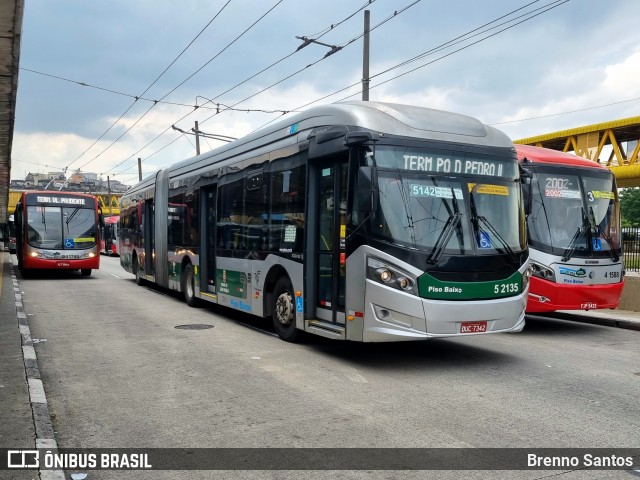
326	30
567	112
162	98
191	76
555	4
390	17
442	46
139	96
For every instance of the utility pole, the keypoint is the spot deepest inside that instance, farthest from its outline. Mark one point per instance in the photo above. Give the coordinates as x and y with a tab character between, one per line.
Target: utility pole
197	139
108	186
365	57
139	169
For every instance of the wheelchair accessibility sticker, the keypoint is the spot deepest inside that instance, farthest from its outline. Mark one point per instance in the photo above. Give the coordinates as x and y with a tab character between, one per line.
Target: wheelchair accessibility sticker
484	240
69	243
299	304
597	244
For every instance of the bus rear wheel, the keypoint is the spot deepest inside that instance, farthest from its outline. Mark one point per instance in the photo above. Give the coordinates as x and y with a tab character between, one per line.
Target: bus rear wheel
283	311
86	272
188	286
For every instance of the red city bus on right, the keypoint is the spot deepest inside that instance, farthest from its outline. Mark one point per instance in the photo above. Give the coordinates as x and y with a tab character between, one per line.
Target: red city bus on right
573	232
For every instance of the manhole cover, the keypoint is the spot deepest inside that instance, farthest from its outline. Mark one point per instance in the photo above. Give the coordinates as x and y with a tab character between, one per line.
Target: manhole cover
194	326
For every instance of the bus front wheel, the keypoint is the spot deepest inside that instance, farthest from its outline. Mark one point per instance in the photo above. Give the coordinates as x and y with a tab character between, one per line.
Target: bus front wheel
283	311
86	272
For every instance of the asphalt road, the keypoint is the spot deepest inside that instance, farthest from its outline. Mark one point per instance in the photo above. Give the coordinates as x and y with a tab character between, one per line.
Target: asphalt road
117	373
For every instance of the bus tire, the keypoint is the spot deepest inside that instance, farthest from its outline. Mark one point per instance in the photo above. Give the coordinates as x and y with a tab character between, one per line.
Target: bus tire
188	286
137	272
86	272
283	311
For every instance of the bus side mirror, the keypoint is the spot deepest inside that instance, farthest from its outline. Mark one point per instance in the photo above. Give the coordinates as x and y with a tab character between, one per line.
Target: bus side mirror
101	219
366	189
527	194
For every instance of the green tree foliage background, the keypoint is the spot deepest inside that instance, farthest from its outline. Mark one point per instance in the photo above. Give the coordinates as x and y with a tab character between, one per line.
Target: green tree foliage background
630	207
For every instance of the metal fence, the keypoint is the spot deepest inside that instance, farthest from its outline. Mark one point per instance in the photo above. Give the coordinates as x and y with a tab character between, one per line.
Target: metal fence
631	248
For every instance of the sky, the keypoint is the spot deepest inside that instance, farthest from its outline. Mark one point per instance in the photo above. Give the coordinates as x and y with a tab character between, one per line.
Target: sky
102	83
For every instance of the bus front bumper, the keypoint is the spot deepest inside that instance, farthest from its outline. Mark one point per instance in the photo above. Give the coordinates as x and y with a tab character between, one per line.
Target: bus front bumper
546	296
396	316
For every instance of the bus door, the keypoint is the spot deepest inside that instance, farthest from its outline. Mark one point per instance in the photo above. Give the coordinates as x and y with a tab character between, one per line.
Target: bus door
148	226
330	242
208	263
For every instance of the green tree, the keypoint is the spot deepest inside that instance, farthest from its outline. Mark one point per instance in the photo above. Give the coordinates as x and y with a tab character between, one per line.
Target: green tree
630	207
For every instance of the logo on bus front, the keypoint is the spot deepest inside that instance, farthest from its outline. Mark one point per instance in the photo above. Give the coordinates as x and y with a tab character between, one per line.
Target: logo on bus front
572	272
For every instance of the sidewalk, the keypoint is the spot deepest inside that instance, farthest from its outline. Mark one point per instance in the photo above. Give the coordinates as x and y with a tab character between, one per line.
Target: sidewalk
17	430
610	318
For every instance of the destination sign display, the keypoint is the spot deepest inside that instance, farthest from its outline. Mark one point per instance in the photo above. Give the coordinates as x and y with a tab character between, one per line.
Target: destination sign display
62	200
446	162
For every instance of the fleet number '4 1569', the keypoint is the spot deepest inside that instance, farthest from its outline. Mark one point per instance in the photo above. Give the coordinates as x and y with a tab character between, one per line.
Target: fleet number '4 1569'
506	288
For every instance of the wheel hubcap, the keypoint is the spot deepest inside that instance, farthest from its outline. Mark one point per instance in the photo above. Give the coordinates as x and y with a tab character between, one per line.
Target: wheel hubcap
189	286
284	308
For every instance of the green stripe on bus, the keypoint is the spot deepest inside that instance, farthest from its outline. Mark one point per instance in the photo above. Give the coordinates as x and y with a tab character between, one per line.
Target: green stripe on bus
430	287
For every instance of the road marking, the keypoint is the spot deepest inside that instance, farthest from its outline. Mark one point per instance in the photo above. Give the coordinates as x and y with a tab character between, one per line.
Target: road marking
114	275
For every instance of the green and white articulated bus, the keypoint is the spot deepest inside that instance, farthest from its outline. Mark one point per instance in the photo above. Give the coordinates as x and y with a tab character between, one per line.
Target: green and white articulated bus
359	221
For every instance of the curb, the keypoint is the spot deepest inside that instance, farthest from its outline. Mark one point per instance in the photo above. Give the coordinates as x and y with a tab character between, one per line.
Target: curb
605	321
45	436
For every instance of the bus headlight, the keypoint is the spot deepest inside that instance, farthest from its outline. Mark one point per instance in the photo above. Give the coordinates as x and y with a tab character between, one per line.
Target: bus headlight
35	254
390	275
541	271
385	275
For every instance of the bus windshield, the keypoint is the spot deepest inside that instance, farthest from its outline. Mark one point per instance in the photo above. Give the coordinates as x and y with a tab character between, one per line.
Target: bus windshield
455	214
574	215
62	228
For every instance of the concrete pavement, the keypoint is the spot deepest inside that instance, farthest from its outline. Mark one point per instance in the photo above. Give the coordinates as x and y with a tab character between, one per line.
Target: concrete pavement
24	414
17	428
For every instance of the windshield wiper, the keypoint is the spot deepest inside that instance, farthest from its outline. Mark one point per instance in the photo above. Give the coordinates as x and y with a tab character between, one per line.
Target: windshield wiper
407	210
568	253
70	217
450	225
504	243
44	220
599	231
476	219
460	235
609	240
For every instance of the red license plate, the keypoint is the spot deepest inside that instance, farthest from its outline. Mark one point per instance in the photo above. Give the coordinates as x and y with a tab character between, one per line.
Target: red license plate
473	327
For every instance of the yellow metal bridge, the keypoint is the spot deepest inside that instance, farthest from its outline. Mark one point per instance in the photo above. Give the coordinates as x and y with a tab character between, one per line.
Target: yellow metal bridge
613	144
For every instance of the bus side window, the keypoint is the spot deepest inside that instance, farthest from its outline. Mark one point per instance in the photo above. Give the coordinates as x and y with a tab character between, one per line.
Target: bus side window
231	215
256	201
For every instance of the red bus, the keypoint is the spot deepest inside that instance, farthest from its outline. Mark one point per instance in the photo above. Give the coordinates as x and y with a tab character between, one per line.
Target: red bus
110	244
58	230
573	232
